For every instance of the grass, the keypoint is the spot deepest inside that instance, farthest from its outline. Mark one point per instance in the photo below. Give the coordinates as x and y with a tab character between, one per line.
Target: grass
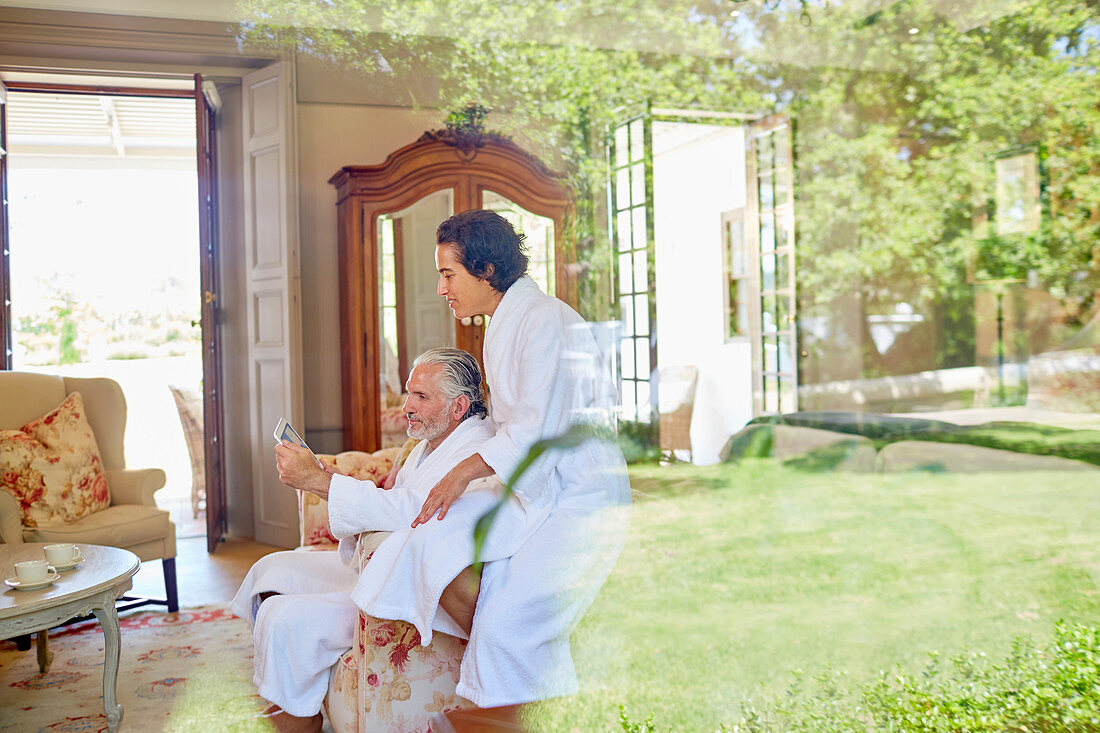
736	577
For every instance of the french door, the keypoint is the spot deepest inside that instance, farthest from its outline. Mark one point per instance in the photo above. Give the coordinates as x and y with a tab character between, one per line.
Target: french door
212	397
208	236
769	230
630	151
6	346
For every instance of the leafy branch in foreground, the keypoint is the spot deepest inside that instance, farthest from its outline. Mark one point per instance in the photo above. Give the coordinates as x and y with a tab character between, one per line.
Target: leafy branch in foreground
571	438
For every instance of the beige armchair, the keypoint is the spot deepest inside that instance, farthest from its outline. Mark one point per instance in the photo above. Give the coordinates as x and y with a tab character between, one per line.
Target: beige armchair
132	521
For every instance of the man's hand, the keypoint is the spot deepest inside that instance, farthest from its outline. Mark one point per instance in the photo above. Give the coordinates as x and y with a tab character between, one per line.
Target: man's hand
391	477
452	486
298	470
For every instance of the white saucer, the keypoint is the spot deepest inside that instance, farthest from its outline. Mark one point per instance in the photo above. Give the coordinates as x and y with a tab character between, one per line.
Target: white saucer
70	566
21	585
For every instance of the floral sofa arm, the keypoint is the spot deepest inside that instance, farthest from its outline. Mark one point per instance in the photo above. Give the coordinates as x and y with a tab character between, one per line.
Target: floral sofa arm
387	682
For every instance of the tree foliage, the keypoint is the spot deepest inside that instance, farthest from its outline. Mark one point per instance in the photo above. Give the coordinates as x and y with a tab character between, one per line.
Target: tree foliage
899	114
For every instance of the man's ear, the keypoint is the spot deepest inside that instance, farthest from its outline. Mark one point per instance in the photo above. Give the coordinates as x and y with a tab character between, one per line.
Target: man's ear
489	270
459	407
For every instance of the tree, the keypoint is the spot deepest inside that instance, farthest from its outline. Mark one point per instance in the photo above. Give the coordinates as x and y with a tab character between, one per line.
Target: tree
898	116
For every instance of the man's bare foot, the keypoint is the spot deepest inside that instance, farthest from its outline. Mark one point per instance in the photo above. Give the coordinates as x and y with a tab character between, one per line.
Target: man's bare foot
284	722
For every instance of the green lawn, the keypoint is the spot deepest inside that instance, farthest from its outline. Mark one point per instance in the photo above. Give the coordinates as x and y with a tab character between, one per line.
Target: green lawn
735	576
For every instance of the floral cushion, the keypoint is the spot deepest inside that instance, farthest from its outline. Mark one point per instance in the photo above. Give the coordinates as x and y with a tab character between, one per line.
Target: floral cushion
364	466
313	521
342	701
401	683
313	512
394	420
53	468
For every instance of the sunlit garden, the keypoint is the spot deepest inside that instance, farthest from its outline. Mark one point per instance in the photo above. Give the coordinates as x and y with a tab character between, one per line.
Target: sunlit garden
843	261
760	595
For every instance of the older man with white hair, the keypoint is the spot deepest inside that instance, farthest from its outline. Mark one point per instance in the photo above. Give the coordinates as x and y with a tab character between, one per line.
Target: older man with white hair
304	606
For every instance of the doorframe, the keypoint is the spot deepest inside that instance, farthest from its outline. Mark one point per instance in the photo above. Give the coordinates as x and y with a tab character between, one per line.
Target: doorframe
7	346
208	276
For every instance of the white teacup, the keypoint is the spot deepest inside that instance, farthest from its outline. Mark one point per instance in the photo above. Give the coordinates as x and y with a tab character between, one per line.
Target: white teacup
34	571
63	554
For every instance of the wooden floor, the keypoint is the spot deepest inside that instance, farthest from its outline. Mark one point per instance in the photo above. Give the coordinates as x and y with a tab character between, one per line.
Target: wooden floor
202	578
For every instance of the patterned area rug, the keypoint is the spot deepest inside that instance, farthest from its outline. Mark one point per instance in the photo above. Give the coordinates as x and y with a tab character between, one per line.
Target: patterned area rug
190	671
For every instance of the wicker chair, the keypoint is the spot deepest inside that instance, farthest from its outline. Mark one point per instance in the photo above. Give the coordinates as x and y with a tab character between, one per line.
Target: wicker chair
189	404
676	387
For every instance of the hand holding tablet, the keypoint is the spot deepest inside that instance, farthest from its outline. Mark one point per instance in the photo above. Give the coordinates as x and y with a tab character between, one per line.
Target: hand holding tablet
284	431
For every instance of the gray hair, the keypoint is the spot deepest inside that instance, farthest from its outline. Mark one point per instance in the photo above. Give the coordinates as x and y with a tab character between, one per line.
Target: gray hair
461	376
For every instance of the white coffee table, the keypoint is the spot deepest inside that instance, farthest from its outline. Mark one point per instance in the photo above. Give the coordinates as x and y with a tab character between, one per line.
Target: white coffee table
92	587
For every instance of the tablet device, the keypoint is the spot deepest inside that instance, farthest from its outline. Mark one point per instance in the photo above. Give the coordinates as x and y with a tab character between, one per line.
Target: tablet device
284	431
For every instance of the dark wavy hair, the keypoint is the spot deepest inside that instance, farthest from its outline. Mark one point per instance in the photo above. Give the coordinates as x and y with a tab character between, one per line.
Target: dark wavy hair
484	238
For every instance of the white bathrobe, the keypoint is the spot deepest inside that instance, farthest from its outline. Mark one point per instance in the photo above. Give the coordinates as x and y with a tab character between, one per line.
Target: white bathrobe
299	634
545	374
409	571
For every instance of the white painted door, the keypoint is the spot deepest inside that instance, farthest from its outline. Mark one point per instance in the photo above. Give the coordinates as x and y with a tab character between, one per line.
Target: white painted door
274	298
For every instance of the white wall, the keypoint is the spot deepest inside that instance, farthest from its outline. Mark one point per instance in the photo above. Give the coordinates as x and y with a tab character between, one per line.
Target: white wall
699	172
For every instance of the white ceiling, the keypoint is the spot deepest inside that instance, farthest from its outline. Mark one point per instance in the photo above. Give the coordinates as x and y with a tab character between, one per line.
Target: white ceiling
78	125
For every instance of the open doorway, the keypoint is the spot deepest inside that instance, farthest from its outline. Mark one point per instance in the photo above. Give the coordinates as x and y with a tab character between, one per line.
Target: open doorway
105	264
702	213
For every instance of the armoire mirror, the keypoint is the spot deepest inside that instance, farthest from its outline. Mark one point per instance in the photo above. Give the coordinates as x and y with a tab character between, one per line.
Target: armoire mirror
387	217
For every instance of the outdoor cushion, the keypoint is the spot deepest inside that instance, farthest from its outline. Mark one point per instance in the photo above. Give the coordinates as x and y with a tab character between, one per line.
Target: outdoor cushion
918	455
53	468
868	424
803	447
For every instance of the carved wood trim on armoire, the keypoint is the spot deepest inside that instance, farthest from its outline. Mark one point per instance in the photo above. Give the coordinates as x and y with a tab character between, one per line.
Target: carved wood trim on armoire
469	167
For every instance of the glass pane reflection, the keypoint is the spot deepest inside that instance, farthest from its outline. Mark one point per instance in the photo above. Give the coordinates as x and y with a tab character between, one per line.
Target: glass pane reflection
540	237
767	271
641	314
637	184
624	234
627	361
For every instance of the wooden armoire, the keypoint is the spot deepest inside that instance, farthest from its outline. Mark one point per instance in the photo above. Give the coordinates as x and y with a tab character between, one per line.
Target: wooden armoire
461	171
